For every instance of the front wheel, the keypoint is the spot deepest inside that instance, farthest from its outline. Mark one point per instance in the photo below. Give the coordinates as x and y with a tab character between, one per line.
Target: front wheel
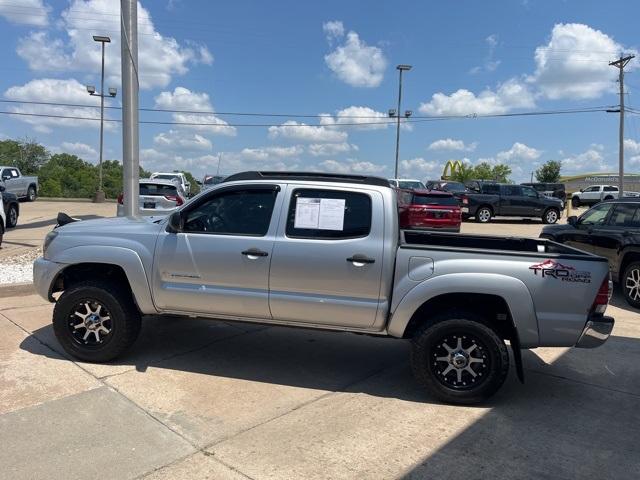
12	216
31	194
551	216
459	359
632	284
575	202
96	321
483	215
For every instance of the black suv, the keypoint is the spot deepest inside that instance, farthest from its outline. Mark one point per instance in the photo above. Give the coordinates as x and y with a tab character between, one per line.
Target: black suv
11	207
488	199
610	229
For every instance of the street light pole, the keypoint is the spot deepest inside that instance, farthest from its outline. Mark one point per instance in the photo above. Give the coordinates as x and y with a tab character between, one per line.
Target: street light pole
400	68
99	195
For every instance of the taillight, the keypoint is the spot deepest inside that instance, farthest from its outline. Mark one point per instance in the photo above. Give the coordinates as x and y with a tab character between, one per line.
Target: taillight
175	198
464	199
121	199
602	297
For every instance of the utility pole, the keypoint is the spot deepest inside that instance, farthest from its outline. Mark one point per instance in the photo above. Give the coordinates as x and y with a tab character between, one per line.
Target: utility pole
396	113
620	64
130	87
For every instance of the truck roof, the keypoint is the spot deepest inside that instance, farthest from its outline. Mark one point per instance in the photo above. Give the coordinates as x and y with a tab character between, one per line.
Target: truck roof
308	176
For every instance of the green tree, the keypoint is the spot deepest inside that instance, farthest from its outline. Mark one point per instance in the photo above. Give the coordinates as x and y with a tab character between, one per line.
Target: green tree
195	188
483	171
26	154
463	174
497	173
549	172
501	173
67	176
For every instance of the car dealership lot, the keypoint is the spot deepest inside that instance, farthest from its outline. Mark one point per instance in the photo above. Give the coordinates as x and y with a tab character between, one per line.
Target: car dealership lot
197	397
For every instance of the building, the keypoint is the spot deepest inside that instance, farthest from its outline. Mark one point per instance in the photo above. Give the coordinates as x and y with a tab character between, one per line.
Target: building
578	182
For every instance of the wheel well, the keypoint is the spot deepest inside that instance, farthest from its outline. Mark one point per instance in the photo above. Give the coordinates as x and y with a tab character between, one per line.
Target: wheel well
80	272
35	187
492	307
626	260
484	205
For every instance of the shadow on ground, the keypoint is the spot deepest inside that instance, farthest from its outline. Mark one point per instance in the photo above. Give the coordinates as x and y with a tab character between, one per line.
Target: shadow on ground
51	222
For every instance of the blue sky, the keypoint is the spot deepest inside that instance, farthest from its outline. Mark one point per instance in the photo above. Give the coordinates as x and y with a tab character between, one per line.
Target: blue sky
337	59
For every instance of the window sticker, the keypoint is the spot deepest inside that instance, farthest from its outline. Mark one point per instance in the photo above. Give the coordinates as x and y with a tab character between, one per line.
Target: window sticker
320	213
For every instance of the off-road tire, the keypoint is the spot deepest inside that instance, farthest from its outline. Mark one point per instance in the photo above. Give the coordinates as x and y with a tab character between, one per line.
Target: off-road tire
548	217
12	216
484	215
426	341
629	278
125	319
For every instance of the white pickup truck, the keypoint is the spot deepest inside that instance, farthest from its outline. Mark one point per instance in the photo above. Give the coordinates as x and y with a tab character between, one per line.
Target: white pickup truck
596	194
18	184
325	251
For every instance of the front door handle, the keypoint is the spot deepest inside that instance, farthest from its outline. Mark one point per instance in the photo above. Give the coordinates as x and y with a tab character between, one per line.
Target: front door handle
359	258
254	252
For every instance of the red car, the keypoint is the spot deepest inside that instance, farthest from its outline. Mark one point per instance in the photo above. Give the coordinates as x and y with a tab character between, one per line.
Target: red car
429	210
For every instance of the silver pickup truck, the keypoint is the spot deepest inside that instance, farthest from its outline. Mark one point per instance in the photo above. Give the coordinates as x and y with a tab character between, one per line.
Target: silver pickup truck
18	184
320	251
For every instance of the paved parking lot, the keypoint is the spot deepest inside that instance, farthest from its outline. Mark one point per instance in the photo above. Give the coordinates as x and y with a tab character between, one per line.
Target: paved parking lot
206	399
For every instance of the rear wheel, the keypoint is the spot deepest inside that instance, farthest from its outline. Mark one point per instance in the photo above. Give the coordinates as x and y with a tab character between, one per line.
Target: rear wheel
483	215
459	359
575	202
551	216
12	216
96	321
31	194
1	232
631	284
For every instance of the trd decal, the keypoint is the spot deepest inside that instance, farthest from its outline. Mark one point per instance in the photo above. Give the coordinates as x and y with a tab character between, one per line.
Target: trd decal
566	273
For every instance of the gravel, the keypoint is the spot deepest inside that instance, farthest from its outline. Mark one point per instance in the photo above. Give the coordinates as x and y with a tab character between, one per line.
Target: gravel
18	269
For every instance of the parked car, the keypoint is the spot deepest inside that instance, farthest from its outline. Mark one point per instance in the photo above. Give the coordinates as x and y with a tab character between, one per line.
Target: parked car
611	229
429	210
597	193
157	197
489	199
325	251
211	180
406	183
11	209
16	183
177	176
3	217
556	190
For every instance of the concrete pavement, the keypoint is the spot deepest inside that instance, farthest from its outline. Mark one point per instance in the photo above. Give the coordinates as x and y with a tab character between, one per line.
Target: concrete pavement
206	399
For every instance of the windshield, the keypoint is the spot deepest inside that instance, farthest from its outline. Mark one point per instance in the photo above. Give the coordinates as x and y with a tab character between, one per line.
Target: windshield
411	185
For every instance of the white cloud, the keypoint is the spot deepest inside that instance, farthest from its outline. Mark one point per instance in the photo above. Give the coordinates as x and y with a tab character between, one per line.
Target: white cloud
451	144
306	133
56	91
364	118
326	149
26	12
420	168
351	166
518	152
160	57
591	160
356	63
631	146
182	141
575	63
490	63
333	30
509	95
267	153
81	150
184	99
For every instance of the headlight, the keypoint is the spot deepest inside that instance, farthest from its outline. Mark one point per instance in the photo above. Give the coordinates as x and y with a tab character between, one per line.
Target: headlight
47	241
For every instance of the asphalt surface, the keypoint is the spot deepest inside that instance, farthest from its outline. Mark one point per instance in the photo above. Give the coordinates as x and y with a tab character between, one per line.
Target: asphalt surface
210	399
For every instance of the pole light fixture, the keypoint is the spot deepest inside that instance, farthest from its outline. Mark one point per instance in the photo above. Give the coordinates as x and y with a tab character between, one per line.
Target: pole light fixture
395	113
91	89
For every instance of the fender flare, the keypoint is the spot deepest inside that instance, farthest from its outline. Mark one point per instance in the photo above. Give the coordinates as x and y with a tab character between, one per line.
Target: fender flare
512	290
126	259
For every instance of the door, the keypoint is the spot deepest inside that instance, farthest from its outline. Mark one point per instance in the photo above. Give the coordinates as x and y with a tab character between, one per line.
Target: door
610	239
532	202
609	192
589	223
218	262
590	195
511	200
327	261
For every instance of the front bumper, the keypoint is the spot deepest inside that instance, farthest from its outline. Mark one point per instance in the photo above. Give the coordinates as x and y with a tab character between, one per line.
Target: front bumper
44	274
596	332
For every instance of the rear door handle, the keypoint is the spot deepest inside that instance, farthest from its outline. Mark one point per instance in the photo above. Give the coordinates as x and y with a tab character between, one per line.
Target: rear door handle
359	258
254	252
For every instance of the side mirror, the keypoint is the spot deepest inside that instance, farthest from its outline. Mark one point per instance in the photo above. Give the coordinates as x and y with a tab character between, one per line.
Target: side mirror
174	225
572	220
581	190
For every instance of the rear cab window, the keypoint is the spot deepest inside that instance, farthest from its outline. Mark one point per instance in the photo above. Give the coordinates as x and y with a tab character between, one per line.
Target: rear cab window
430	199
155	189
325	214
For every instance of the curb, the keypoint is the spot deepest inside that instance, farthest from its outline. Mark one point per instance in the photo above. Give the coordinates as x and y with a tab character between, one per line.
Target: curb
17	290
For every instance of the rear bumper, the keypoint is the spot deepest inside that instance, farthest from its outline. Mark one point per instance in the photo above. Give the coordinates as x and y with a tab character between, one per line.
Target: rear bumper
596	332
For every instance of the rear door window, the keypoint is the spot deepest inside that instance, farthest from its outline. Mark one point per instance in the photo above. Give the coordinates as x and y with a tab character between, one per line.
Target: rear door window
512	190
491	189
328	214
610	189
625	215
